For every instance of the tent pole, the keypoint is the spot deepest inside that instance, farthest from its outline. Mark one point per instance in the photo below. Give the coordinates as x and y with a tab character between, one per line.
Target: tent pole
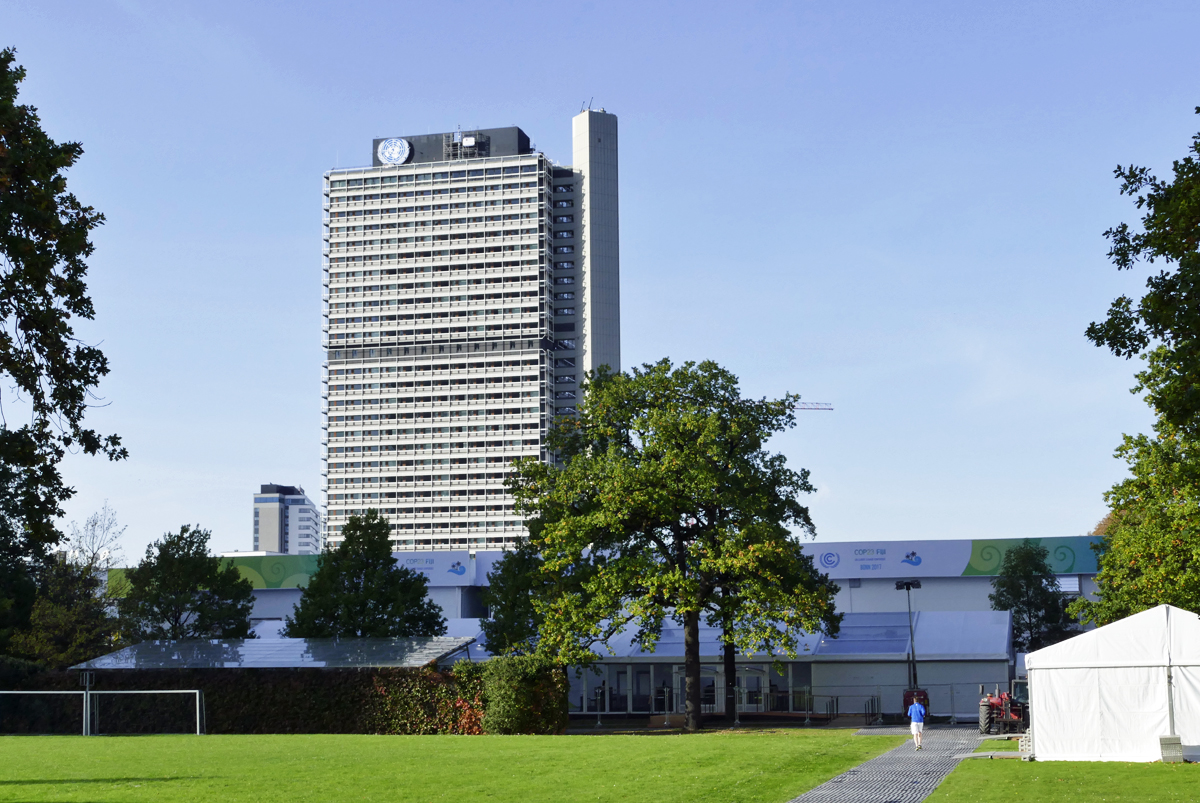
1170	704
1170	691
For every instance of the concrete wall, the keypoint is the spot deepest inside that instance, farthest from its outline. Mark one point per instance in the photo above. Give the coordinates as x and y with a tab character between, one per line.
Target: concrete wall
594	150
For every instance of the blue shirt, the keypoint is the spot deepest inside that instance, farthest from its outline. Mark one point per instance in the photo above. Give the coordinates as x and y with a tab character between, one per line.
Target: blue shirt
916	712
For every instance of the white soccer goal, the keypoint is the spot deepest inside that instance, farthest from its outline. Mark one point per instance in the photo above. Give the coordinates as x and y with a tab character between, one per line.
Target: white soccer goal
91	708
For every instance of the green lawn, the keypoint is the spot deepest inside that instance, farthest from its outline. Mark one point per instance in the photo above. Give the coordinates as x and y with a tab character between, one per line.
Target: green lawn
982	781
718	766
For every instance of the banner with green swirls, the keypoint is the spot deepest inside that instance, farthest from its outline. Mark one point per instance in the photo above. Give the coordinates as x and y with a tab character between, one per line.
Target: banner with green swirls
949	558
1067	555
276	571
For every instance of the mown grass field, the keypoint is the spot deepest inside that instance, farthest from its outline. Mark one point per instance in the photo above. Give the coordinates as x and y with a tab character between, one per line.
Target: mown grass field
730	767
983	781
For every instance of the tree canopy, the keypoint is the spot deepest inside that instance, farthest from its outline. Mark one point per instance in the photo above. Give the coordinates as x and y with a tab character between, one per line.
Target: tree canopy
1026	586
358	590
47	373
1151	544
180	591
1150	552
512	623
1164	325
664	496
70	622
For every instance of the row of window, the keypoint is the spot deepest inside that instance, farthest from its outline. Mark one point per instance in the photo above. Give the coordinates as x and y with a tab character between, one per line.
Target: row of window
385	196
439	176
503	396
424	447
447	463
380	288
357	420
433	238
434	367
475	380
350	213
418	478
364	305
448	252
469	313
441	222
334	432
445	348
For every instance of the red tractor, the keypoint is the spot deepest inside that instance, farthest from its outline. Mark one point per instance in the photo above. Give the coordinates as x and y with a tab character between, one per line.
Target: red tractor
1005	711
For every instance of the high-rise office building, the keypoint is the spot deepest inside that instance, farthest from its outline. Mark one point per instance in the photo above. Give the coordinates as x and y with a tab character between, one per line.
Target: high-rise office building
286	521
470	282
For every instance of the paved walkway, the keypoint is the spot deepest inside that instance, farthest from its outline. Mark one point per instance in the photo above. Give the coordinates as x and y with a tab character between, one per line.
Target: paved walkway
901	775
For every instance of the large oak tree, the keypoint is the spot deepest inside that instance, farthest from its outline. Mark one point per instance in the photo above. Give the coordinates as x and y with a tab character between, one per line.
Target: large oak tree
666	495
47	375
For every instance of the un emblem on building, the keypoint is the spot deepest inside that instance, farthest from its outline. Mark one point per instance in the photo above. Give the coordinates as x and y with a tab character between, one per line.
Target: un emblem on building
394	151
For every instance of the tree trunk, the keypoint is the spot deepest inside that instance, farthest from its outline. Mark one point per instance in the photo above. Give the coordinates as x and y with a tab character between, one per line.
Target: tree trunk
730	679
691	670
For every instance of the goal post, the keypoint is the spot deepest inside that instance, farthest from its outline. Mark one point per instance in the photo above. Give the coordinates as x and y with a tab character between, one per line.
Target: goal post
90	699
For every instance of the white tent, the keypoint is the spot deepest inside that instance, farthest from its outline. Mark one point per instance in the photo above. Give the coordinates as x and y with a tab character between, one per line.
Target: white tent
1108	695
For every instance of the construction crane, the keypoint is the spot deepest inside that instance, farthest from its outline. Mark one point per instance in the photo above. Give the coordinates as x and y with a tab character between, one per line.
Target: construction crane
813	406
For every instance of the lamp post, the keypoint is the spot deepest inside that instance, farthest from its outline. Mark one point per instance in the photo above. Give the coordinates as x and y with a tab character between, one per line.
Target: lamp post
907	586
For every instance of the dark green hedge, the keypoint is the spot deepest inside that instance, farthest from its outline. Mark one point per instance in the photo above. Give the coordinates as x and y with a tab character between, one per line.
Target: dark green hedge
410	701
524	695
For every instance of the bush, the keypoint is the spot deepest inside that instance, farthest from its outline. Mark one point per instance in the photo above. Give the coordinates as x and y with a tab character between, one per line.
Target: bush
428	701
523	694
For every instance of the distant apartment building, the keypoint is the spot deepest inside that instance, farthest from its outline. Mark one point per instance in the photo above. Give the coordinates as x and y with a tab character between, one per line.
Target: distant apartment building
470	282
286	521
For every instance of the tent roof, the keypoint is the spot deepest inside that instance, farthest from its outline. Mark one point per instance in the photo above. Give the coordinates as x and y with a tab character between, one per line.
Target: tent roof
1160	636
280	653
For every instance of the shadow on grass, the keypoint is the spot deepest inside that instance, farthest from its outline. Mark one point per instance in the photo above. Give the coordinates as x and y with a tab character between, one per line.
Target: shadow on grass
37	782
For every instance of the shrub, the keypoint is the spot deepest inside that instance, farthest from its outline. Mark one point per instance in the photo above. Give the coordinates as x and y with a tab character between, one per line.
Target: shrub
523	694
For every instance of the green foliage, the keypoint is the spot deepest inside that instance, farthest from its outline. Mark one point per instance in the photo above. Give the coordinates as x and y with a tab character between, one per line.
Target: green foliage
1163	325
667	496
716	767
180	591
17	589
44	234
524	694
513	621
359	590
426	701
1150	552
70	623
1026	586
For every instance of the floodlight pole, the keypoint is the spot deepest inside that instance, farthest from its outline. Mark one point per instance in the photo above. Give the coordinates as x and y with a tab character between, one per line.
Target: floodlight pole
907	586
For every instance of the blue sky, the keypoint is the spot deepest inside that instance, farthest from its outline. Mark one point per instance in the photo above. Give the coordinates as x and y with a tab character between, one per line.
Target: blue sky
893	207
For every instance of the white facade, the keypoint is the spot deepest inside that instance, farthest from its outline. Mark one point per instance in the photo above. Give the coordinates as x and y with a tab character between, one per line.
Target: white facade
460	284
286	522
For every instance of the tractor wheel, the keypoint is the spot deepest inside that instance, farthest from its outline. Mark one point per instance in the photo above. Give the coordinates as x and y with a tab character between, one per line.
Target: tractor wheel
985	718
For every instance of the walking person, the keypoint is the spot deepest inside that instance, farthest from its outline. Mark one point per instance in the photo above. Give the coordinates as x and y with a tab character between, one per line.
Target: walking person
916	716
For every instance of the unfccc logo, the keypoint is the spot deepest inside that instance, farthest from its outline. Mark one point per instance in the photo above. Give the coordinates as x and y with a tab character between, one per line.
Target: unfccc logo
830	560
